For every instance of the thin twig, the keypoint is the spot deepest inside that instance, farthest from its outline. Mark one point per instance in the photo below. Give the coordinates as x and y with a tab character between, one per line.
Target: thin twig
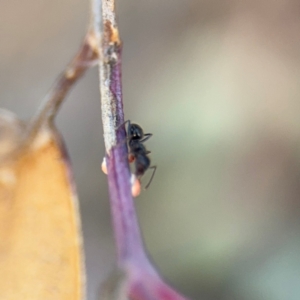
86	57
109	68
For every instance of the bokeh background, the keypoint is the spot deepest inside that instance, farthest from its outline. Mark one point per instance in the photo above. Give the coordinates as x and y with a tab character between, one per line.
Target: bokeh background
218	84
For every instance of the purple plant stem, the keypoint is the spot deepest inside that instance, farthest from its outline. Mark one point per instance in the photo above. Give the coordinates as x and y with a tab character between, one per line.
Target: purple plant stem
128	236
143	281
126	228
122	209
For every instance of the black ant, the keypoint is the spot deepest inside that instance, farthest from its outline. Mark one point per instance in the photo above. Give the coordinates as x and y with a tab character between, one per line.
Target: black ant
137	151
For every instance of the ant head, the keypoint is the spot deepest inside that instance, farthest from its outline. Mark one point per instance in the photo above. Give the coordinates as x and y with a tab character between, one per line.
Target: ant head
136	132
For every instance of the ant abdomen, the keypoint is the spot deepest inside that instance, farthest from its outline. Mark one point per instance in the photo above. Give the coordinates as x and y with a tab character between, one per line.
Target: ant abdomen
142	163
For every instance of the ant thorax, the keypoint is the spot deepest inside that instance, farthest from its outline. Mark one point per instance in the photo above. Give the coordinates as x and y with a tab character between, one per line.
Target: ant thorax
136	147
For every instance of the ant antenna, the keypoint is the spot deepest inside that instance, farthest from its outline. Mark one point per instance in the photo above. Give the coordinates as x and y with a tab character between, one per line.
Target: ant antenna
123	124
154	170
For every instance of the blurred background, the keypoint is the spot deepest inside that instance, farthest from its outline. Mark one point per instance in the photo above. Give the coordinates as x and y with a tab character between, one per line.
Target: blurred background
218	84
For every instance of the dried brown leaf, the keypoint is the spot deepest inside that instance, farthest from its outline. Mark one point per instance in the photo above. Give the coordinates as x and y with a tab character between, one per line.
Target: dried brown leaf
40	237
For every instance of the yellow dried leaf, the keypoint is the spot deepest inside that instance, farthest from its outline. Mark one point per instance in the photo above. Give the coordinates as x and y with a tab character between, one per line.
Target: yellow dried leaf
40	237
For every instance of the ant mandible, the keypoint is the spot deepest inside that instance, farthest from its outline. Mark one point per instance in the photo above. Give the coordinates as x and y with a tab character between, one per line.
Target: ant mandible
137	151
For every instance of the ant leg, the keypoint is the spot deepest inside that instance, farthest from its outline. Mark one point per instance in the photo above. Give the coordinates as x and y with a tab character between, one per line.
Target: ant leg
128	127
154	170
127	130
128	121
147	136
